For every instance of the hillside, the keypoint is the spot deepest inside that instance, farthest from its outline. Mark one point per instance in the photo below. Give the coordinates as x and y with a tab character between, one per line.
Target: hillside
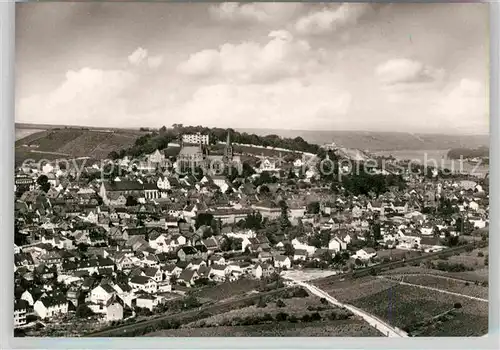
381	141
72	142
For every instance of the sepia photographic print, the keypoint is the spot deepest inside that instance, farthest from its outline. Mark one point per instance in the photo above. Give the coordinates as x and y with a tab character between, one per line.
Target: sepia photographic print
251	169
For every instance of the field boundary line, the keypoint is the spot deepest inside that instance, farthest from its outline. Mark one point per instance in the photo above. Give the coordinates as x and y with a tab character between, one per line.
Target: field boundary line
431	275
437	290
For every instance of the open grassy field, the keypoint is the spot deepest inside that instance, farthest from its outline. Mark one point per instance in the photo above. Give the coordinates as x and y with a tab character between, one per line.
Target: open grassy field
227	290
350	289
479	276
448	284
473	259
348	328
453	326
404	306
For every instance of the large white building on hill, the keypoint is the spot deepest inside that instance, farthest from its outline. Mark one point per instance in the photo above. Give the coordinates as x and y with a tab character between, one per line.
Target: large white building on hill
197	138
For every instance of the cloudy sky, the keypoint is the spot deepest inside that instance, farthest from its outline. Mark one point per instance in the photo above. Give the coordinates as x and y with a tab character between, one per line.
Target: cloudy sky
406	67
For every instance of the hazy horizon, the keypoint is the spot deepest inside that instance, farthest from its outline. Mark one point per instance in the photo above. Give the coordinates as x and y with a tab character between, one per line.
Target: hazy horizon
411	68
247	130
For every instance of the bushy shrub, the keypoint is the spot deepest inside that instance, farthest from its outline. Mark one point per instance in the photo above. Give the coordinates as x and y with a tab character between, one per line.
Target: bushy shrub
281	316
280	303
267	317
300	293
315	316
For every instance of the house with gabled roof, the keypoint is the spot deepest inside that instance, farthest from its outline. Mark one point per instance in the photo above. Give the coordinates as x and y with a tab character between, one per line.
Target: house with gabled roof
143	283
100	295
51	306
187	253
188	277
262	270
114	309
282	262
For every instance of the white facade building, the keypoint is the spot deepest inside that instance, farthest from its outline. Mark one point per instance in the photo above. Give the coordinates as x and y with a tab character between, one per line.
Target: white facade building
196	138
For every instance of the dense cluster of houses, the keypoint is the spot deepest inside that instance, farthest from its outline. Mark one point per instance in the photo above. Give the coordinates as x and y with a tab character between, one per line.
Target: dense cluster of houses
136	241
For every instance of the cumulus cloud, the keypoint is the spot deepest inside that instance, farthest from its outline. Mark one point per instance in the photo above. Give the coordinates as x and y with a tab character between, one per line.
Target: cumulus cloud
141	56
87	96
282	56
465	104
138	56
155	61
269	13
287	102
405	71
331	18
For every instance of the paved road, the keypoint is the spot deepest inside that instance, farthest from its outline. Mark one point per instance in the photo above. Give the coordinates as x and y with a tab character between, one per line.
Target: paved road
434	289
374	321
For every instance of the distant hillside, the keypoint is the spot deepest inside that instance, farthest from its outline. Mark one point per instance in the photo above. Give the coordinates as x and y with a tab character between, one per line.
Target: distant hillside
457	153
381	141
73	142
55	126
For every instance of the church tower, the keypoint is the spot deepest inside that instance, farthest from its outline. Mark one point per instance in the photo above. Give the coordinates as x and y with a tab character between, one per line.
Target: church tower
228	151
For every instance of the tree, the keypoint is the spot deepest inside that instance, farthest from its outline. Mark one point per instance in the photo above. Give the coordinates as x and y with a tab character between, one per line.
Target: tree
19	238
300	228
253	221
203	219
83	311
376	231
236	243
280	303
289	249
43	182
173	279
247	170
284	221
215	225
264	189
131	201
191	302
313	208
42	179
113	155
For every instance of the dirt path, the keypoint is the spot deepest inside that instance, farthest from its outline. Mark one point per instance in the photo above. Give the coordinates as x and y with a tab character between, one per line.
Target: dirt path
430	275
47	152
